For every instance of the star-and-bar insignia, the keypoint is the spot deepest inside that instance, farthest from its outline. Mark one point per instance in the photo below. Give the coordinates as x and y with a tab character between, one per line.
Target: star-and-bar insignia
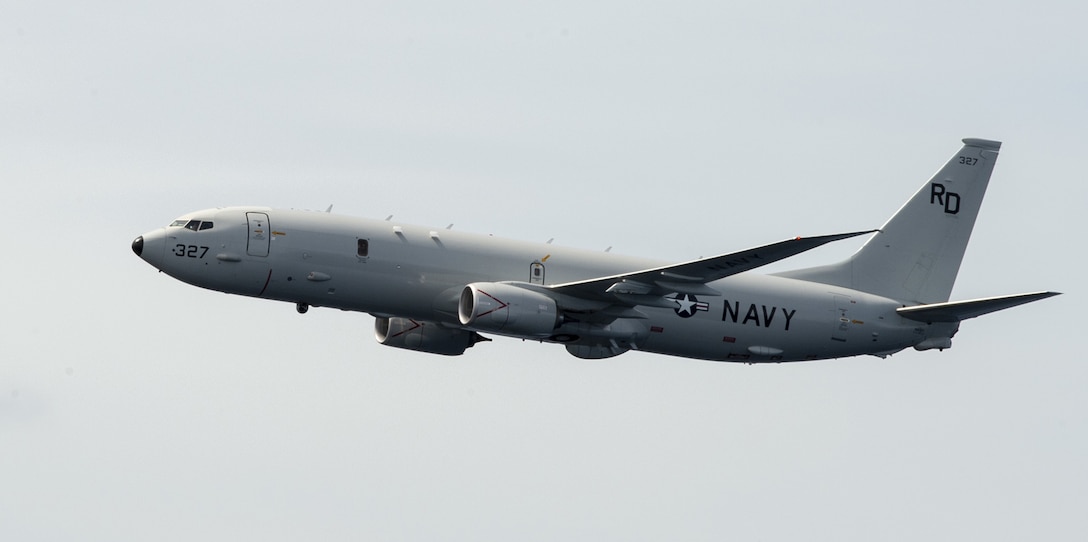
689	305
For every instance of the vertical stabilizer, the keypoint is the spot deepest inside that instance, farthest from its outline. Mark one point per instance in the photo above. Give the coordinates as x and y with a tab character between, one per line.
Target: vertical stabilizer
916	255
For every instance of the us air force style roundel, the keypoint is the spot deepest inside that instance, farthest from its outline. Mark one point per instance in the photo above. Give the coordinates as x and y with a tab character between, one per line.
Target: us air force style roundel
689	305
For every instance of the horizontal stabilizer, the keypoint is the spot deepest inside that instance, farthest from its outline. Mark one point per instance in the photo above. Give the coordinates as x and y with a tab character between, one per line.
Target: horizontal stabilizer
962	310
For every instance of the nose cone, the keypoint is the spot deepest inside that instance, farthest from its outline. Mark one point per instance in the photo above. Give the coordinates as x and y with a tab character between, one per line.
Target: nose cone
149	246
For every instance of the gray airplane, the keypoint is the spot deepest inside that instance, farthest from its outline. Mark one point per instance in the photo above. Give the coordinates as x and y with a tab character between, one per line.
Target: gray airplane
436	291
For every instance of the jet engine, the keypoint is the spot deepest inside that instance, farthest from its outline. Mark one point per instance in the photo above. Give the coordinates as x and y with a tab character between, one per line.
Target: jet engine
424	336
507	309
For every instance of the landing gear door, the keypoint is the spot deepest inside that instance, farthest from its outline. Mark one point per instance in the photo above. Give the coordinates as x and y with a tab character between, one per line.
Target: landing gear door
259	235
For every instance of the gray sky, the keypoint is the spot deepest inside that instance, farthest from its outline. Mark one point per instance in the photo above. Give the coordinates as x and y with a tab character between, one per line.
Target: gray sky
135	407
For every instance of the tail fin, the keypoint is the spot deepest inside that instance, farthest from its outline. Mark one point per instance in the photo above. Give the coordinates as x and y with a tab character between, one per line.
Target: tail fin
916	255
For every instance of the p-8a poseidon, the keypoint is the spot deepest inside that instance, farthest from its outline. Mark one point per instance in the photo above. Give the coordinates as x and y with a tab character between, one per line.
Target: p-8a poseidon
437	291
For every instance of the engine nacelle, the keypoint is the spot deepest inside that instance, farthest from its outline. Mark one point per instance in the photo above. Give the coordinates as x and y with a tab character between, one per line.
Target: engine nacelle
424	336
507	309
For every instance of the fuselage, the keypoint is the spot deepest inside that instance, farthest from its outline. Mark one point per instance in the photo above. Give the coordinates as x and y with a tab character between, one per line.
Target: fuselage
393	270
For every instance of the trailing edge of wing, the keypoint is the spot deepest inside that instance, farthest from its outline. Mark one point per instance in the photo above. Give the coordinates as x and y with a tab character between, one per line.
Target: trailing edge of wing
691	277
962	310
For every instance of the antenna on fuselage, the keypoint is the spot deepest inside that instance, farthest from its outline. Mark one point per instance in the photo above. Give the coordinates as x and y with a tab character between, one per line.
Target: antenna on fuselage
329	210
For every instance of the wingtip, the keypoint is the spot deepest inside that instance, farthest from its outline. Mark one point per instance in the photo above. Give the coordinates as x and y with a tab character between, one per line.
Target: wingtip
857	233
837	236
1043	294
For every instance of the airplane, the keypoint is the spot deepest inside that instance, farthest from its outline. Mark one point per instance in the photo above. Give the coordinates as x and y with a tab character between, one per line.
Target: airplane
440	291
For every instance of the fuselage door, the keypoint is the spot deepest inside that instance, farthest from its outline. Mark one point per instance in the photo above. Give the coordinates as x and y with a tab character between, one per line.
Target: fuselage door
841	319
259	234
536	273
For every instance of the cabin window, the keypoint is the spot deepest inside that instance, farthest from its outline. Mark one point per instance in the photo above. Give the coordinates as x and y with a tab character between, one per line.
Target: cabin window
364	248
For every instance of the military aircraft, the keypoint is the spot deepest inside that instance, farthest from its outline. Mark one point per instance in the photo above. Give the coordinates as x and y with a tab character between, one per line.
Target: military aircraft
438	290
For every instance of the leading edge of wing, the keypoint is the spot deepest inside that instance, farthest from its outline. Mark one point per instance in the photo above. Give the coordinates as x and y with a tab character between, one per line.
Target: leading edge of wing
691	277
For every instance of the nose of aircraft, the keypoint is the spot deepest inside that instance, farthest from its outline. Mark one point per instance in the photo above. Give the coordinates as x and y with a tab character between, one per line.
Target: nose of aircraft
149	246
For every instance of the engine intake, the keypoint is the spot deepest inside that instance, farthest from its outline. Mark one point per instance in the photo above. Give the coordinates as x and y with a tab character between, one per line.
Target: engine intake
507	309
424	336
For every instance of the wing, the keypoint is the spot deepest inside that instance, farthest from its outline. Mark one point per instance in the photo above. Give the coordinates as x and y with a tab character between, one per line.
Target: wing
648	287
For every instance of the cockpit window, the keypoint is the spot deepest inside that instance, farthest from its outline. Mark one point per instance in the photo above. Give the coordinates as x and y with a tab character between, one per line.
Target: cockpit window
194	225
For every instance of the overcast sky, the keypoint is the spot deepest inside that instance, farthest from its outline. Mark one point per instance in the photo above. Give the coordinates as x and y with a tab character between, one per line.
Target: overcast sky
135	407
